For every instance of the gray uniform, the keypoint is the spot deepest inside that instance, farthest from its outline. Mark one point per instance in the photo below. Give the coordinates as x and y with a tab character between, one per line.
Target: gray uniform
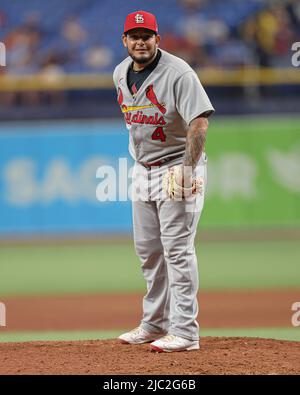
157	119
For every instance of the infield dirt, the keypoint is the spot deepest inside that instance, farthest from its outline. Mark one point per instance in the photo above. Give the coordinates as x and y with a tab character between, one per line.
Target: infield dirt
216	355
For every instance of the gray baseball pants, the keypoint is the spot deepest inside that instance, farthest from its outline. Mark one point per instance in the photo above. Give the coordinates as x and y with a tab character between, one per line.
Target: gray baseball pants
164	233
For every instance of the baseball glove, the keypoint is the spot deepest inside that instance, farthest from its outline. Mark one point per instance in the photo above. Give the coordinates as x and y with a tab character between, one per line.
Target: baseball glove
176	191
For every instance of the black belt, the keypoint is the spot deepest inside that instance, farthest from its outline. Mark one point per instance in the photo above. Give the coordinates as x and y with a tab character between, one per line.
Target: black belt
161	162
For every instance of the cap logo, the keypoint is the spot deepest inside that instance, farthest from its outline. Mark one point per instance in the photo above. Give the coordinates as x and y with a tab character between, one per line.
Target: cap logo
139	18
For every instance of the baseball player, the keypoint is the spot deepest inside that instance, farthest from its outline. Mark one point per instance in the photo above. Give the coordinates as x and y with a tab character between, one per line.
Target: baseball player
165	109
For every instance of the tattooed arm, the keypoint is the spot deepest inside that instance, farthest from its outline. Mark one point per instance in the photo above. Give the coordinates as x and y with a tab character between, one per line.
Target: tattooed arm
195	141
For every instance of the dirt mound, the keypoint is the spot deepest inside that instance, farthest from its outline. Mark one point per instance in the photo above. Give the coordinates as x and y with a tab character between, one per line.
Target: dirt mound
217	355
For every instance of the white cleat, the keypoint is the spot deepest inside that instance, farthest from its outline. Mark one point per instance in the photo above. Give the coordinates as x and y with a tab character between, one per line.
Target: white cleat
139	336
170	343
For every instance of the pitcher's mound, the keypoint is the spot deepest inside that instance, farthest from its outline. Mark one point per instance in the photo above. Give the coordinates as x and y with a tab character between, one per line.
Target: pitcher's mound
217	355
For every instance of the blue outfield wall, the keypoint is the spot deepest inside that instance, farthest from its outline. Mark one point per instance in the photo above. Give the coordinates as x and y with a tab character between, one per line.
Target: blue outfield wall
48	177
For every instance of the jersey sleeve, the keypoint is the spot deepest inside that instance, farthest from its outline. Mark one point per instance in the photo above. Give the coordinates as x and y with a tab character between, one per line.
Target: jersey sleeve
191	98
115	78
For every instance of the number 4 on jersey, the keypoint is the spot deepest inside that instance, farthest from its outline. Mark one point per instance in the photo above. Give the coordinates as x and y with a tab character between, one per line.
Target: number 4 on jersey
158	134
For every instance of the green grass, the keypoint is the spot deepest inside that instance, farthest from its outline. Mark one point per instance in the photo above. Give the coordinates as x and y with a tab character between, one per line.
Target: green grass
93	268
270	333
57	335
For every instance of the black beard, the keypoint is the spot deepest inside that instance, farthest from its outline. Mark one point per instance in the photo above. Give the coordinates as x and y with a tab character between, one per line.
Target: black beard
140	60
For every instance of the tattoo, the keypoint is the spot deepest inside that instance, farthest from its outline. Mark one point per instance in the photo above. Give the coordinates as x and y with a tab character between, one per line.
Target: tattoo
195	141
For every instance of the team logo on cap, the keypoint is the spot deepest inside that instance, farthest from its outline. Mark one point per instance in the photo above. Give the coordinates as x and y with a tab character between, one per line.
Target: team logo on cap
139	18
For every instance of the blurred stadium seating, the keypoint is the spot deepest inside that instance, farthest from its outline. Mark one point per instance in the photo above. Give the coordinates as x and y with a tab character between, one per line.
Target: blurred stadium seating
84	35
61	54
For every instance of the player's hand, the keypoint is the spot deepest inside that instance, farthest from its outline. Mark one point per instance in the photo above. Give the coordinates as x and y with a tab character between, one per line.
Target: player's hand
178	183
183	175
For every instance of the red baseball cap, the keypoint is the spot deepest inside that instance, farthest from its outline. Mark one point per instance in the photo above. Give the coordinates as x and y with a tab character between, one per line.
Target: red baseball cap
140	19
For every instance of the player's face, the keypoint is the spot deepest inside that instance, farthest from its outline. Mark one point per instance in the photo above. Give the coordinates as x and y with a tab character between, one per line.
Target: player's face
141	44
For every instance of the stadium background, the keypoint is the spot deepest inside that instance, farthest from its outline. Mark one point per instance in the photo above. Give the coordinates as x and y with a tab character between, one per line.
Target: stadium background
59	122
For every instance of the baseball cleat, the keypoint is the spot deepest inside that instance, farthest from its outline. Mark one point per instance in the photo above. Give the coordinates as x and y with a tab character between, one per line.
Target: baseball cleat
170	343
139	336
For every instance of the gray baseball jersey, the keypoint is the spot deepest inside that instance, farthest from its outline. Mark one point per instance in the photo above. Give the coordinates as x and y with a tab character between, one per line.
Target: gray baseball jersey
158	116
